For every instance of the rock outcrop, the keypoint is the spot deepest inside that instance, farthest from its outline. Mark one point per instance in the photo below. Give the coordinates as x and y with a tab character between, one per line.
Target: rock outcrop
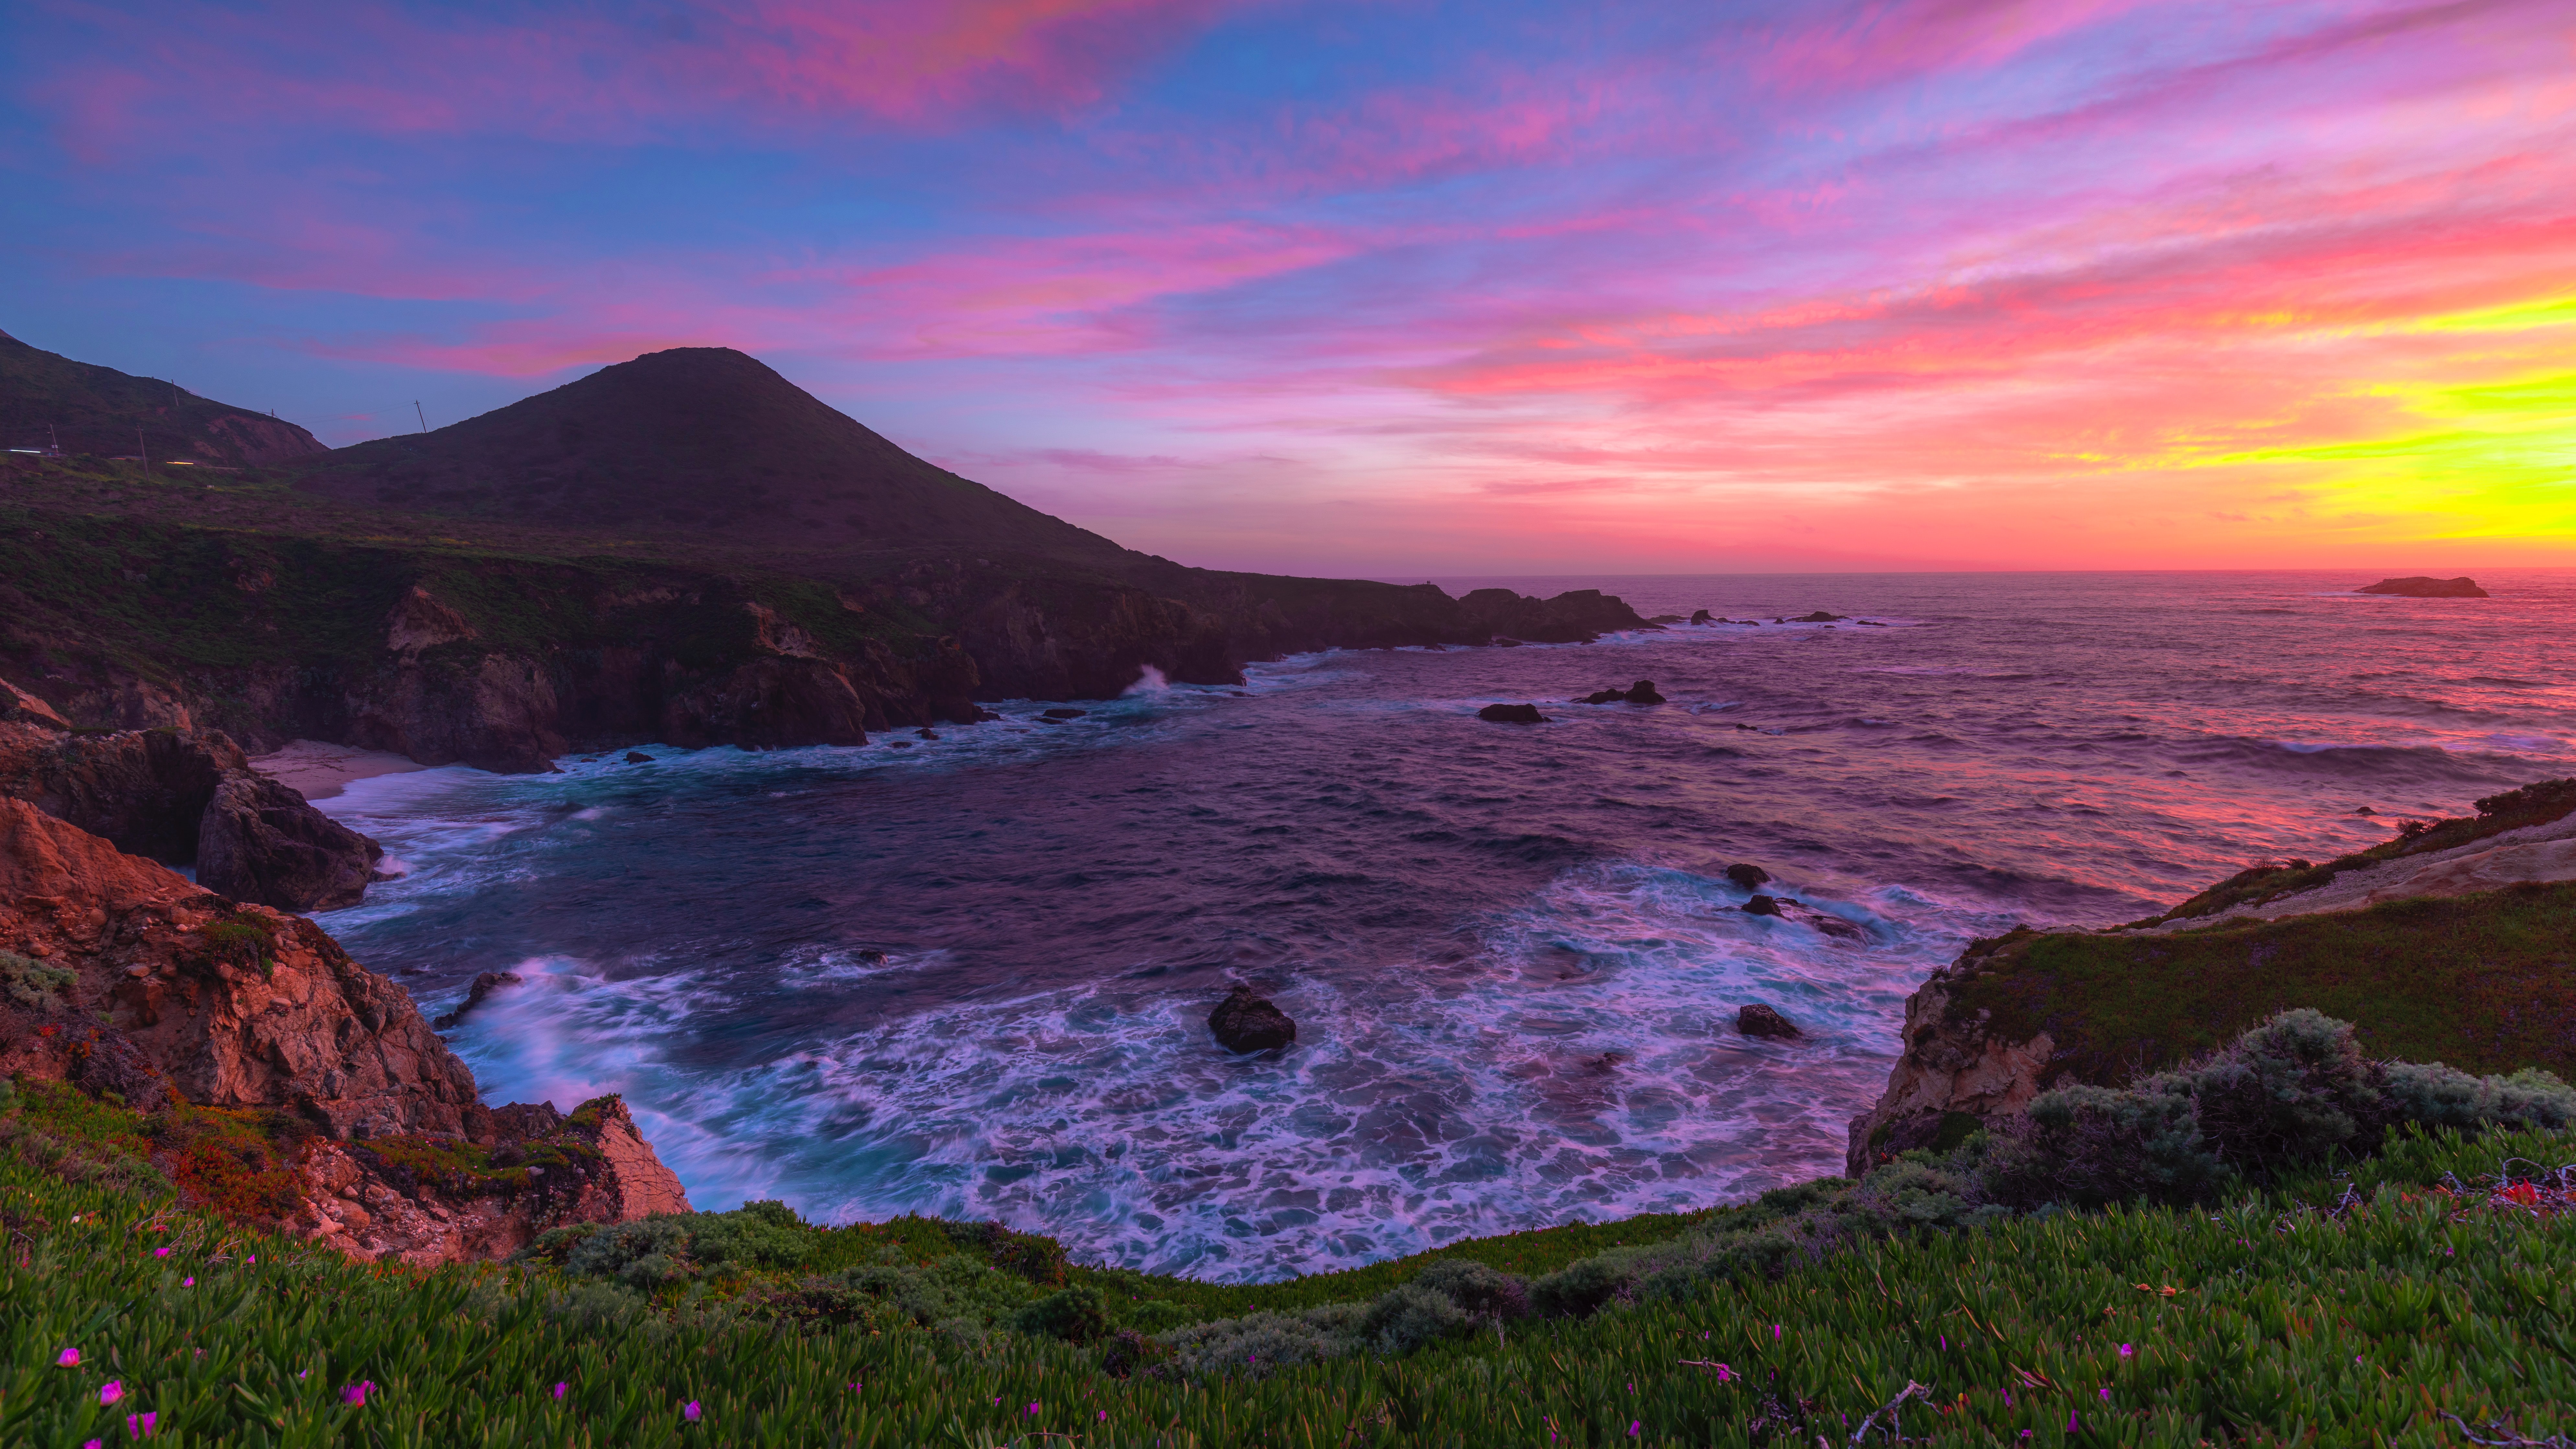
1641	692
190	798
1952	1076
484	985
2421	587
1511	714
17	706
1748	876
1246	1021
152	992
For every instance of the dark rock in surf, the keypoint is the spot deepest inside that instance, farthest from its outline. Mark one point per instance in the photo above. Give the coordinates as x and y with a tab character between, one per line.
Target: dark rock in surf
1824	921
1818	617
638	757
1511	714
484	985
1762	905
2420	587
259	841
1642	692
1760	1020
1699	616
1246	1022
1748	876
1603	696
1061	714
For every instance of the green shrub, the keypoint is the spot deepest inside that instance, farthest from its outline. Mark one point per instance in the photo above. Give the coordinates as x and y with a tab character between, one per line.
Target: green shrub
1410	1317
1258	1345
33	984
1076	1315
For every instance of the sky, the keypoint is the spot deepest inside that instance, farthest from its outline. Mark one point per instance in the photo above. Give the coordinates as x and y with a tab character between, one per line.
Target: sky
1398	287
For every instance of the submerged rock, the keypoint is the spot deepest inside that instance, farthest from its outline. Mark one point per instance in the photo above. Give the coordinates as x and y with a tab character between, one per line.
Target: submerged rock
1063	714
1512	714
1762	905
1642	692
1246	1021
1818	617
1760	1020
1699	616
638	757
1748	876
2421	587
484	985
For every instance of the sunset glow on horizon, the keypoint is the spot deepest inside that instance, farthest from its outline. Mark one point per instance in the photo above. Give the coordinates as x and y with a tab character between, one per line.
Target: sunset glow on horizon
1401	288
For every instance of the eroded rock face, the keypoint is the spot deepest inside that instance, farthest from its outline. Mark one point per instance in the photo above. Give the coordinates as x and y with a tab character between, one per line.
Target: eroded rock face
1949	1070
17	706
1246	1021
155	989
190	798
260	841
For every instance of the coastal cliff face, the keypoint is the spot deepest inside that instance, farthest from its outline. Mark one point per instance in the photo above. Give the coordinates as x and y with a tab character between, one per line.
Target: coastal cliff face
2446	944
189	798
209	1015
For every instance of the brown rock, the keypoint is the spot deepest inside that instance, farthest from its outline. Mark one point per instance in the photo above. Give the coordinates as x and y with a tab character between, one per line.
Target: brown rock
484	985
1511	714
2421	587
1246	1021
1950	1069
1748	876
1757	1019
19	707
259	840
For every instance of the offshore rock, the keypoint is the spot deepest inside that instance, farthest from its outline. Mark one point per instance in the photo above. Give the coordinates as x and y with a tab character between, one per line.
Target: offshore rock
1511	714
484	985
1246	1021
1748	876
260	841
1642	692
1577	617
1756	1019
1762	905
1700	616
2420	587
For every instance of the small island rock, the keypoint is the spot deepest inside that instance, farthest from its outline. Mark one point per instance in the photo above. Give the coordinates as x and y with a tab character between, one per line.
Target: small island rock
1748	876
1762	905
484	985
638	757
1760	1020
1246	1021
1512	714
2421	587
1699	616
1642	692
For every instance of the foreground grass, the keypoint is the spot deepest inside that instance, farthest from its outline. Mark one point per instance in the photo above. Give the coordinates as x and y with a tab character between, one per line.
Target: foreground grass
2334	1309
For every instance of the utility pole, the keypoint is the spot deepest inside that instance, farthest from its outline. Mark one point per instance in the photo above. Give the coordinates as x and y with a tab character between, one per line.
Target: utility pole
146	452
56	434
424	417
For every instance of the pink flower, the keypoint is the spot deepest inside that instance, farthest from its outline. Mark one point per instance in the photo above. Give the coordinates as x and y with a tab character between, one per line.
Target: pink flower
1775	1333
2070	1423
2128	1351
1725	1374
111	1391
559	1391
160	1252
69	1358
1632	1427
2106	1396
1104	1416
1033	1408
691	1412
356	1393
140	1425
187	1282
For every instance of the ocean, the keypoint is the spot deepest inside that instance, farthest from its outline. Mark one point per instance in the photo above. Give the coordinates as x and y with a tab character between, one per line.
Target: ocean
970	975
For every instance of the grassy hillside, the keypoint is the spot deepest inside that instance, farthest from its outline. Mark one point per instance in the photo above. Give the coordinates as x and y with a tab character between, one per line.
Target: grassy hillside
47	399
2486	983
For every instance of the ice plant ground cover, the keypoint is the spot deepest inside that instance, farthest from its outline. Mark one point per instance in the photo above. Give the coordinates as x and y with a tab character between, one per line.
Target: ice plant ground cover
2352	1304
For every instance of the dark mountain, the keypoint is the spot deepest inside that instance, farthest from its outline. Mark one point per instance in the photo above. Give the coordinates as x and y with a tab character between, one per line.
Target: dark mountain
698	441
45	398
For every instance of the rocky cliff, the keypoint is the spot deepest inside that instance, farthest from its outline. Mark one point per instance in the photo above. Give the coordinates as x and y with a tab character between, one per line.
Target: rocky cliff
2448	943
186	797
233	1024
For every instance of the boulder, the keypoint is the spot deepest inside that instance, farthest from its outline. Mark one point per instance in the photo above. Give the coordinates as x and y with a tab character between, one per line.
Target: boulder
1512	714
1748	876
638	757
1818	617
1699	616
1247	1022
1760	1020
259	840
1762	905
484	985
1603	696
1642	692
2420	587
19	706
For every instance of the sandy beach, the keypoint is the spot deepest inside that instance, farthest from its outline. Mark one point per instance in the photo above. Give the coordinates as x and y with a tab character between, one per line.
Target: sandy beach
319	771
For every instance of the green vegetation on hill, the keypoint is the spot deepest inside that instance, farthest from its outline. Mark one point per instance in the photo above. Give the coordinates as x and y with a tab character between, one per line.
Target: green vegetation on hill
2536	804
2304	1294
48	400
2484	982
